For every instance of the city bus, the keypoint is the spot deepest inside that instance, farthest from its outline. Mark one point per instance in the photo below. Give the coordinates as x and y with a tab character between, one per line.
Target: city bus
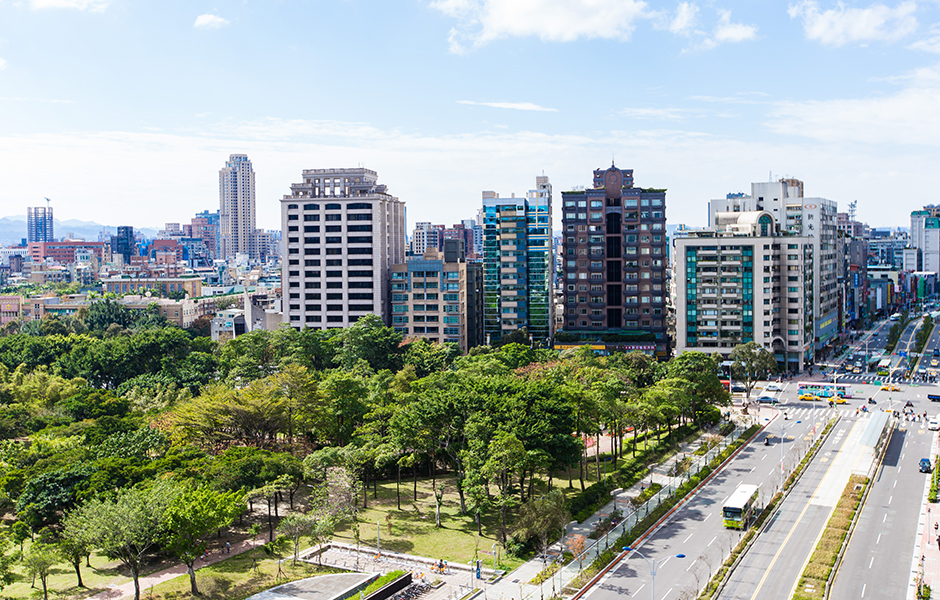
825	390
739	506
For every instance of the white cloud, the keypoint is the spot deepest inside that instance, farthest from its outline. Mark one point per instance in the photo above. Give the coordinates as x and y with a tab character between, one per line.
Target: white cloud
510	105
92	5
208	21
3	64
725	32
910	116
483	21
842	25
930	44
684	21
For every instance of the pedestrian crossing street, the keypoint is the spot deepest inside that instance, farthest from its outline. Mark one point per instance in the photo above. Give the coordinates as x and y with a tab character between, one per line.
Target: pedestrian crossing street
868	378
820	410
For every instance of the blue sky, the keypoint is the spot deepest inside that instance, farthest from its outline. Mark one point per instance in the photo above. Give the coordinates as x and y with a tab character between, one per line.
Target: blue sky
123	111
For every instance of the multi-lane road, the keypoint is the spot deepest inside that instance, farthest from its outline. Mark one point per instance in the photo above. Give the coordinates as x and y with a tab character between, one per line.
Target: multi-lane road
877	564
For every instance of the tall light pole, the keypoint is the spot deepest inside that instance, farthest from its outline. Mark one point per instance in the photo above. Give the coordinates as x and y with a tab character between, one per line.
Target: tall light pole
654	567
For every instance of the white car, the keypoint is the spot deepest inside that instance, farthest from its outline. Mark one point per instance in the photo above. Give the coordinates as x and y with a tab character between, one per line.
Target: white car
933	424
773	387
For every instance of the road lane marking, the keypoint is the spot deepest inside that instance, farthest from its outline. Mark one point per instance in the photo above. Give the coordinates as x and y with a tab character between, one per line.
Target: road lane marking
885	516
890	498
706	518
763	457
767	572
688	538
752	469
638	590
895	483
667	593
870	563
713	539
878	541
692	564
863	590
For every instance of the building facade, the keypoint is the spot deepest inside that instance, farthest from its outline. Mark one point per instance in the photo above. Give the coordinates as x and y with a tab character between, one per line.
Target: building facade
124	243
341	233
744	281
614	266
439	297
237	207
39	224
814	218
517	264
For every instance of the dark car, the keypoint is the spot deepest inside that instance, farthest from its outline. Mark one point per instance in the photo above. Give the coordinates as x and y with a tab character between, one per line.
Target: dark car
737	387
925	465
766	400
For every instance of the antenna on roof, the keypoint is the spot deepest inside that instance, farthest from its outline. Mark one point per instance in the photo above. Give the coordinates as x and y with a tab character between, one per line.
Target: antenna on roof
48	202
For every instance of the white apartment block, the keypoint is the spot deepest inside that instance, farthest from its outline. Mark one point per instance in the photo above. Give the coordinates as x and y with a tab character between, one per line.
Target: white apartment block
423	237
746	280
237	208
814	218
341	232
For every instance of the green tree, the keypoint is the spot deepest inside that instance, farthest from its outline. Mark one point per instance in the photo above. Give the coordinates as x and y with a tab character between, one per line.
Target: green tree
39	560
369	339
505	456
6	563
295	526
191	517
706	389
542	518
74	545
127	526
751	363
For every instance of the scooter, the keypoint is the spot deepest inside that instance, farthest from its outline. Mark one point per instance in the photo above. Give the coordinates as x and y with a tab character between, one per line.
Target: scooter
766	441
872	401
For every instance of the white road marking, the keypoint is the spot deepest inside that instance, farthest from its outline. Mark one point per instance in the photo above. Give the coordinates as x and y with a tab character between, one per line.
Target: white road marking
863	590
667	593
895	483
706	518
890	498
870	563
713	539
884	517
692	564
878	541
752	468
638	590
688	538
763	457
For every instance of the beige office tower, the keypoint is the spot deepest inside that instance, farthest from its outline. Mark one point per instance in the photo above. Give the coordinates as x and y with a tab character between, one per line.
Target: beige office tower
237	208
341	232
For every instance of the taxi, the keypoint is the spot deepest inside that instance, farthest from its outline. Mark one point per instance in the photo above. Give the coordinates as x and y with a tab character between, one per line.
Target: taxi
890	387
838	400
809	397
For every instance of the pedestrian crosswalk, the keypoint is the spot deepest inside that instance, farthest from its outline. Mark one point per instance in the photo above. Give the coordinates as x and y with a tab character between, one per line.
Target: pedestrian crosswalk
865	378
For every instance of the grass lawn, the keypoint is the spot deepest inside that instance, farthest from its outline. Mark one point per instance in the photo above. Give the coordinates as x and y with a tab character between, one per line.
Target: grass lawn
62	581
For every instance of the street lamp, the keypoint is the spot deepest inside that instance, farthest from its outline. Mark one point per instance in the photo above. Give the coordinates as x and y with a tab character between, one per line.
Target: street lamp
654	567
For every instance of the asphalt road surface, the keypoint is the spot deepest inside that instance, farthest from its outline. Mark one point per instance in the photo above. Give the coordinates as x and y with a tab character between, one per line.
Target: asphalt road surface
696	529
877	562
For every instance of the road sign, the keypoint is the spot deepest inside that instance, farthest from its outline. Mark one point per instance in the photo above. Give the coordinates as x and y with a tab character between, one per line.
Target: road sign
901	353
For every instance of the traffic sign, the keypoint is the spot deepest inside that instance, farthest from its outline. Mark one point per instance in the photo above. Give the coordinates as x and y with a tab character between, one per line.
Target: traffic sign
901	353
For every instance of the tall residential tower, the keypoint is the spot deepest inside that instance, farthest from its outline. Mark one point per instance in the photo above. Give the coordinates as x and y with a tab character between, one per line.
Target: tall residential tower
615	261
517	259
237	207
39	224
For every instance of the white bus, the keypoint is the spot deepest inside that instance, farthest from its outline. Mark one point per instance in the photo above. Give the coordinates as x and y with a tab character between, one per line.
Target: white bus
739	506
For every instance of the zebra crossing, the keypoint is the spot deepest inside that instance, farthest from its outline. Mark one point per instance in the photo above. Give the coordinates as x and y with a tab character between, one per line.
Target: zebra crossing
868	378
814	412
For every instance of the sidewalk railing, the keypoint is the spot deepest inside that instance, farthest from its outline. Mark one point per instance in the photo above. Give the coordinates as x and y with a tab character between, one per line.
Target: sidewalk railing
573	569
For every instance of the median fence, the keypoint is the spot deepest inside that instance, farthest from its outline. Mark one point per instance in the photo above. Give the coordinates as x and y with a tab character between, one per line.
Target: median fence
573	569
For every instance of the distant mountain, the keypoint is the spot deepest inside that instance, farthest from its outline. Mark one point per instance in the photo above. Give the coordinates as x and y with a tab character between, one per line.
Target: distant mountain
13	229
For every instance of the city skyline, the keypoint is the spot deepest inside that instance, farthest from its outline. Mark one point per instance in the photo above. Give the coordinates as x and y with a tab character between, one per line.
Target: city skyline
474	96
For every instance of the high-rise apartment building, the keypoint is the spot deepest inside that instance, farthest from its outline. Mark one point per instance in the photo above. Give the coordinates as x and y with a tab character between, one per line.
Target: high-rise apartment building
814	218
424	236
925	241
39	224
341	232
517	258
615	261
746	280
439	297
124	243
237	208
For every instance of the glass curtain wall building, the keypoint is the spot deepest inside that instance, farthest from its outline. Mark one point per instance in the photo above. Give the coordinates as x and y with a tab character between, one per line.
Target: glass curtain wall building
517	257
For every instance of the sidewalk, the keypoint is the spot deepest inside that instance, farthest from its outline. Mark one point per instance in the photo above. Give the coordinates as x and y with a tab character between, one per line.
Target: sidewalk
926	552
113	591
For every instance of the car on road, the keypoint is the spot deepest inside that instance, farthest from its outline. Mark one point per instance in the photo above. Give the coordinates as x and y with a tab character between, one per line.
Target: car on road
933	424
838	400
934	362
773	387
936	351
809	397
766	400
856	370
925	466
737	387
890	387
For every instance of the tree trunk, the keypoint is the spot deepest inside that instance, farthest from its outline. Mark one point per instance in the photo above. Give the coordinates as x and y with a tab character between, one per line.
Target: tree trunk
522	486
597	455
135	573
45	591
479	524
581	463
77	565
270	523
193	590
